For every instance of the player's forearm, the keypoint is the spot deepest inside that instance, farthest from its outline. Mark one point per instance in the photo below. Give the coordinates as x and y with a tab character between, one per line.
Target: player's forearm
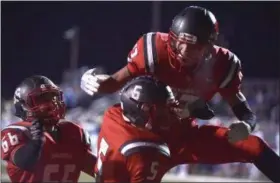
27	155
244	113
109	86
115	81
241	108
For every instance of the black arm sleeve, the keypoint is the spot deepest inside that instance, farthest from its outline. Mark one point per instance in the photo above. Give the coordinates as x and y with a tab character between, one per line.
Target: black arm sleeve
244	113
26	156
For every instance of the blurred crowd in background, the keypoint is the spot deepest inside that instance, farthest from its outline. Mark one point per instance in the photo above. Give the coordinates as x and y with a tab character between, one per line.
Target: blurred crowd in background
262	95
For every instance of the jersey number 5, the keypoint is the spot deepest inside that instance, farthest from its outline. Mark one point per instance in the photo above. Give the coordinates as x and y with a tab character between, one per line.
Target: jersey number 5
9	140
154	170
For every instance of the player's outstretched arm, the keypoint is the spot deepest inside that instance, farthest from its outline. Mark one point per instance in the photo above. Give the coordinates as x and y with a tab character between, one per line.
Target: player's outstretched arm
230	89
115	81
93	82
242	109
232	93
247	119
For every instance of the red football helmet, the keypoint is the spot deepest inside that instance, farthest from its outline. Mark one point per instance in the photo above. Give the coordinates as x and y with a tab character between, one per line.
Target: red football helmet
37	97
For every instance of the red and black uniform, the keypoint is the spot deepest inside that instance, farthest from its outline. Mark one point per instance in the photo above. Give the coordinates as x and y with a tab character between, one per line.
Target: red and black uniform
221	73
60	160
130	154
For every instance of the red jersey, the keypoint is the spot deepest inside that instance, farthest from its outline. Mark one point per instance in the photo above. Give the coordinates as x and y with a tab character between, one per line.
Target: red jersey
220	73
60	160
129	154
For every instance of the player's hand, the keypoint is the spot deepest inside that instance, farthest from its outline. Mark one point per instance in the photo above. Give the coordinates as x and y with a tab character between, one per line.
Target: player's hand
238	131
201	110
90	81
36	131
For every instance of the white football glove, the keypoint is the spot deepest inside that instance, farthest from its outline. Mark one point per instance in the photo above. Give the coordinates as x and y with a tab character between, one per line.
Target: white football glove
90	82
238	131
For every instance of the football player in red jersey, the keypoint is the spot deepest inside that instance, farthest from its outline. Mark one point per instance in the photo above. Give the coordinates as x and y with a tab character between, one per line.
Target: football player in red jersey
44	147
141	138
129	150
187	60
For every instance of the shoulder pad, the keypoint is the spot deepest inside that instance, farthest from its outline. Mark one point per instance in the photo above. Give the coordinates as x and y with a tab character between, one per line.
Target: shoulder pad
136	146
63	122
69	124
71	128
18	129
150	52
230	64
234	66
163	36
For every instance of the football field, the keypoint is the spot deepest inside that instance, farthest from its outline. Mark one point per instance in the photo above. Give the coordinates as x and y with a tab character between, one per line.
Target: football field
167	178
86	178
83	177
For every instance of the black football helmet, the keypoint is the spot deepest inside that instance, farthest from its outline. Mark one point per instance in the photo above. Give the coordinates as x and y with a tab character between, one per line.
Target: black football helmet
145	100
37	97
192	33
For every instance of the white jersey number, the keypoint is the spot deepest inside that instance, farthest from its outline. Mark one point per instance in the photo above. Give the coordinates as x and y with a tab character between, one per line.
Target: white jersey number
9	140
154	170
52	169
103	148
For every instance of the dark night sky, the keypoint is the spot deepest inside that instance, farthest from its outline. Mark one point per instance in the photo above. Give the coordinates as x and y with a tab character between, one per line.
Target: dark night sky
32	35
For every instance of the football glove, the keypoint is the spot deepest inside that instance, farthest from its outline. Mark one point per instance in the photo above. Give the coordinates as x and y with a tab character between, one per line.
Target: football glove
91	80
238	131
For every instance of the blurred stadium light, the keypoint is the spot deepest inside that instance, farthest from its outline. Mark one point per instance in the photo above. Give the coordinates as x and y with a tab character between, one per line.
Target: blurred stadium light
156	15
72	35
